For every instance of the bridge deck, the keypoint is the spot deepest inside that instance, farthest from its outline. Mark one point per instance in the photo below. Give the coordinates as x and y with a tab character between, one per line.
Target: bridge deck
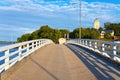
57	62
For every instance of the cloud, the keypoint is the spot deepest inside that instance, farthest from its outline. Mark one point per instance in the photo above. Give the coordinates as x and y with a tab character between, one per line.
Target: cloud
11	32
25	14
104	11
49	8
12	28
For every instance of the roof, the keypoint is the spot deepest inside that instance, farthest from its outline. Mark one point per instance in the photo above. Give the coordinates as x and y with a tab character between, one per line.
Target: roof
108	31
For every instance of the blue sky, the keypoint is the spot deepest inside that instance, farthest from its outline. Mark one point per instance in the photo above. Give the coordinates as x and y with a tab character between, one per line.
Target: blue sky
24	16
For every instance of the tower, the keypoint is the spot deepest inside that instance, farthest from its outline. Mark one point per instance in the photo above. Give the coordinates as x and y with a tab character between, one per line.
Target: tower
96	24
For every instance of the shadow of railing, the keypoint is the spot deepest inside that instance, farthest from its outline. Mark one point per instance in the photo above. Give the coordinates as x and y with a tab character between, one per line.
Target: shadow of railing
100	67
40	66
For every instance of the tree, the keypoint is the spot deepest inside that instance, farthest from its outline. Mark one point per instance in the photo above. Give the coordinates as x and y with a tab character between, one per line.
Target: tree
75	33
63	32
86	33
45	32
34	35
24	37
108	36
56	35
94	34
113	26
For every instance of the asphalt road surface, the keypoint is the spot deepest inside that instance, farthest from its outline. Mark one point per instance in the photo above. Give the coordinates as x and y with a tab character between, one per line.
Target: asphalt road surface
60	62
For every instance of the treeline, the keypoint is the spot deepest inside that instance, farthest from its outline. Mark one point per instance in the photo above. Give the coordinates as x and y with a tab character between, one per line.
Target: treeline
113	26
7	42
44	32
86	33
55	34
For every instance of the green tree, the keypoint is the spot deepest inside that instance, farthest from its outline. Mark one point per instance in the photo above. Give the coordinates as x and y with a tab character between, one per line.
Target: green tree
63	32
86	33
24	37
45	32
56	35
94	34
113	26
108	36
34	35
75	33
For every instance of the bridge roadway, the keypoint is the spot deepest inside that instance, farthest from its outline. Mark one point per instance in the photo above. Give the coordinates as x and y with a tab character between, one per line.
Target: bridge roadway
58	62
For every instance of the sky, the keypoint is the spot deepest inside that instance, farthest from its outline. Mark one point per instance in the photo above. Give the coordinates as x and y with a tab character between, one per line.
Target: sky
18	17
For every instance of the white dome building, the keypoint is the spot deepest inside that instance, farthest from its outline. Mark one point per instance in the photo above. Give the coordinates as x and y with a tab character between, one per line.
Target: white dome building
96	24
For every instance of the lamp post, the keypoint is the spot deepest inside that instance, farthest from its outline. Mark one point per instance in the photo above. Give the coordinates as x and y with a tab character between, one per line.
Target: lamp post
80	23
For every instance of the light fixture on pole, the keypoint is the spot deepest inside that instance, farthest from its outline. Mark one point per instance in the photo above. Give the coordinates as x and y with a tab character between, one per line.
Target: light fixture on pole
79	3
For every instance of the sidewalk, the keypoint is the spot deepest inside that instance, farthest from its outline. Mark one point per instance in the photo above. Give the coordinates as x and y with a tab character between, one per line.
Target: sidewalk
52	62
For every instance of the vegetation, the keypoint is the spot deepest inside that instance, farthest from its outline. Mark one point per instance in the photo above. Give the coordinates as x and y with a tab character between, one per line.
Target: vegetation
44	32
115	27
7	42
55	34
86	33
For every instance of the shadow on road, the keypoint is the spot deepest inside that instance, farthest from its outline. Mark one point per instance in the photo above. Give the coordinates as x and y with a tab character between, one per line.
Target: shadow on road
40	66
100	67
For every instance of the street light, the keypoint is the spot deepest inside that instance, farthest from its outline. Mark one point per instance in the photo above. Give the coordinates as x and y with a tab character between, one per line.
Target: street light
79	3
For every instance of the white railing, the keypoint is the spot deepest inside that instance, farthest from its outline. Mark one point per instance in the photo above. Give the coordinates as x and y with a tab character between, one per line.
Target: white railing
110	50
11	54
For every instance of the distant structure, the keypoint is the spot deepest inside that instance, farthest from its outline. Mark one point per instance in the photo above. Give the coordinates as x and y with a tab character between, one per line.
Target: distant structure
62	40
102	33
96	24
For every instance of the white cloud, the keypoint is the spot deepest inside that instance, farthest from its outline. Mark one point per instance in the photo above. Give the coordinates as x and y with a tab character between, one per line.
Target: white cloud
90	10
11	28
30	13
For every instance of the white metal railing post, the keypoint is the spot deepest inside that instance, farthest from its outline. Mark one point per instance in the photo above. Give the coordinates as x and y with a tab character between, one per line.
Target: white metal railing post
95	45
32	45
28	47
114	49
20	53
7	59
79	41
41	42
36	43
103	47
86	44
90	45
83	42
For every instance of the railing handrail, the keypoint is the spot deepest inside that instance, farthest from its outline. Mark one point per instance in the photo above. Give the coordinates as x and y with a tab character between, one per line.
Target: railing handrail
108	42
16	52
105	48
18	44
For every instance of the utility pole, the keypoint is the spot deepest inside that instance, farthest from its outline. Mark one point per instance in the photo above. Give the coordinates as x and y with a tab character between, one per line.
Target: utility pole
80	17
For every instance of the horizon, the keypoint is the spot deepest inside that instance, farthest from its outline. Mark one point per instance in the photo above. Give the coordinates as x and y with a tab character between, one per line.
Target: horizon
25	16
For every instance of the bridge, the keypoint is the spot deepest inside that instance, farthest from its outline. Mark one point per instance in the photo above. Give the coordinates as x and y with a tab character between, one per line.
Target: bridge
77	59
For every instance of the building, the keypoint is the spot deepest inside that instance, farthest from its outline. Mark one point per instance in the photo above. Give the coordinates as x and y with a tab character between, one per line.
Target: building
96	24
102	33
62	40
